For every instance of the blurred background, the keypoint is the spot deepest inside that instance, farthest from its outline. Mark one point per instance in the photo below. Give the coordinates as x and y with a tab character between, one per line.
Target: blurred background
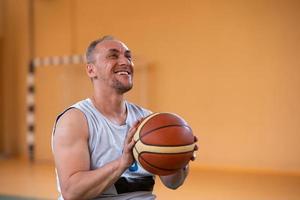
230	68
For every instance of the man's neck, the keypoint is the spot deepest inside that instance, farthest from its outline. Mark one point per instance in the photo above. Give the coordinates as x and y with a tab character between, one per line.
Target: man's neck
112	106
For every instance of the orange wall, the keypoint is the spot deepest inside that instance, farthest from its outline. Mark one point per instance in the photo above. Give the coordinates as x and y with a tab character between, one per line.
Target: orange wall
230	68
1	104
1	88
13	62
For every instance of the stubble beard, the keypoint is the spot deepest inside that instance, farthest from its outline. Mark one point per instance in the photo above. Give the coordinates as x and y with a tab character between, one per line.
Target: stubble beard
122	88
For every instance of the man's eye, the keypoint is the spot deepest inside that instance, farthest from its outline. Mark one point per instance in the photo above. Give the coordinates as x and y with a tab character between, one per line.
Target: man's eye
113	56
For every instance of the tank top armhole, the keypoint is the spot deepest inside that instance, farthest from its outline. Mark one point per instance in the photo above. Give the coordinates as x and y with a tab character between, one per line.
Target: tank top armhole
58	117
61	114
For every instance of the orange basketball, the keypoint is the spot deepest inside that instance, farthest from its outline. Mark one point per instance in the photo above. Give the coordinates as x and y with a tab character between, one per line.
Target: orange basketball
164	143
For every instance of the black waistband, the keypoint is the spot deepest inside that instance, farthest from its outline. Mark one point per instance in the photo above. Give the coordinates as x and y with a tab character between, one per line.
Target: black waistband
124	185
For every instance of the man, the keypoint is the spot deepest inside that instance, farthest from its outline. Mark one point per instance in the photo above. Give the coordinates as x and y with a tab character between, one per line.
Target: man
93	139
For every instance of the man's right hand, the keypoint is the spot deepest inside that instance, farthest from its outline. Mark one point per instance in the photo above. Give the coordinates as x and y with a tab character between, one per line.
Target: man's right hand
127	156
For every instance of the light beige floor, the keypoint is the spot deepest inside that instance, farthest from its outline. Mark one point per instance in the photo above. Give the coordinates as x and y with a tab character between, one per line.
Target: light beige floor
38	180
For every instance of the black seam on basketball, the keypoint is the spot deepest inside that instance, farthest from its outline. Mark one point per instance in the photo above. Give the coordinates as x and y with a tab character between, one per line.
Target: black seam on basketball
166	153
148	132
161	127
151	118
158	167
175	145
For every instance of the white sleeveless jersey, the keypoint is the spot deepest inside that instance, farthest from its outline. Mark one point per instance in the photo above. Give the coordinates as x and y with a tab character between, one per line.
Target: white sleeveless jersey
106	141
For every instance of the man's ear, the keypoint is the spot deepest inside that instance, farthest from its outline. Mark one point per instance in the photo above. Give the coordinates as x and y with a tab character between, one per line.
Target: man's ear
91	70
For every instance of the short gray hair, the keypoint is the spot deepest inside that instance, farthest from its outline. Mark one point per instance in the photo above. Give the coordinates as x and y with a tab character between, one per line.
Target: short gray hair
90	50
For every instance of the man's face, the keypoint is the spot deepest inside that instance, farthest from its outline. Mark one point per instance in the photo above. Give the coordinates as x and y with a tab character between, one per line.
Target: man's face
113	65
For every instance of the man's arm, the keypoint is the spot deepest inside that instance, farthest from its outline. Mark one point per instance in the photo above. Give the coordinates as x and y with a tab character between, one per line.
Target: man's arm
175	180
72	159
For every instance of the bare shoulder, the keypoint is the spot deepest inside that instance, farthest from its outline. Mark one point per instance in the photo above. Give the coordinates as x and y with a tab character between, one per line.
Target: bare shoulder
71	125
70	145
72	116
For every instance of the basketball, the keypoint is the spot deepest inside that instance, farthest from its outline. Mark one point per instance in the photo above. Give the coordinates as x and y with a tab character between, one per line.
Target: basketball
164	143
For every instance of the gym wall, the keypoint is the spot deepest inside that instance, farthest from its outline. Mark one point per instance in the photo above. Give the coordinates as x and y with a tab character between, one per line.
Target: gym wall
230	68
13	67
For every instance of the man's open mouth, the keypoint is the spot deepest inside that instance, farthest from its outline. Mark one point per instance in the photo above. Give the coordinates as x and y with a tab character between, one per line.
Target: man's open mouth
123	72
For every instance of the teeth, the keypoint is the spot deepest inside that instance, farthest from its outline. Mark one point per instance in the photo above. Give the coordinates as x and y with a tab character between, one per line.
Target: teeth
122	73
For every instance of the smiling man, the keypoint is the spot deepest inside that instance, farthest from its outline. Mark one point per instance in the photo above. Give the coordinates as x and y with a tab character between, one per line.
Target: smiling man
93	139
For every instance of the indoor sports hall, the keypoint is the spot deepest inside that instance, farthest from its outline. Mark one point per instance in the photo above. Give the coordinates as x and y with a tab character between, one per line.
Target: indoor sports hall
230	68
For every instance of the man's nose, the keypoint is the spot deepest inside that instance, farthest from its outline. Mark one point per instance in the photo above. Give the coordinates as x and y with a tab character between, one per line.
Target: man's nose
124	61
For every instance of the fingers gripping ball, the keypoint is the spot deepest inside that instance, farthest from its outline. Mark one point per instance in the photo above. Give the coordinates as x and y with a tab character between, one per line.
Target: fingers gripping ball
164	143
